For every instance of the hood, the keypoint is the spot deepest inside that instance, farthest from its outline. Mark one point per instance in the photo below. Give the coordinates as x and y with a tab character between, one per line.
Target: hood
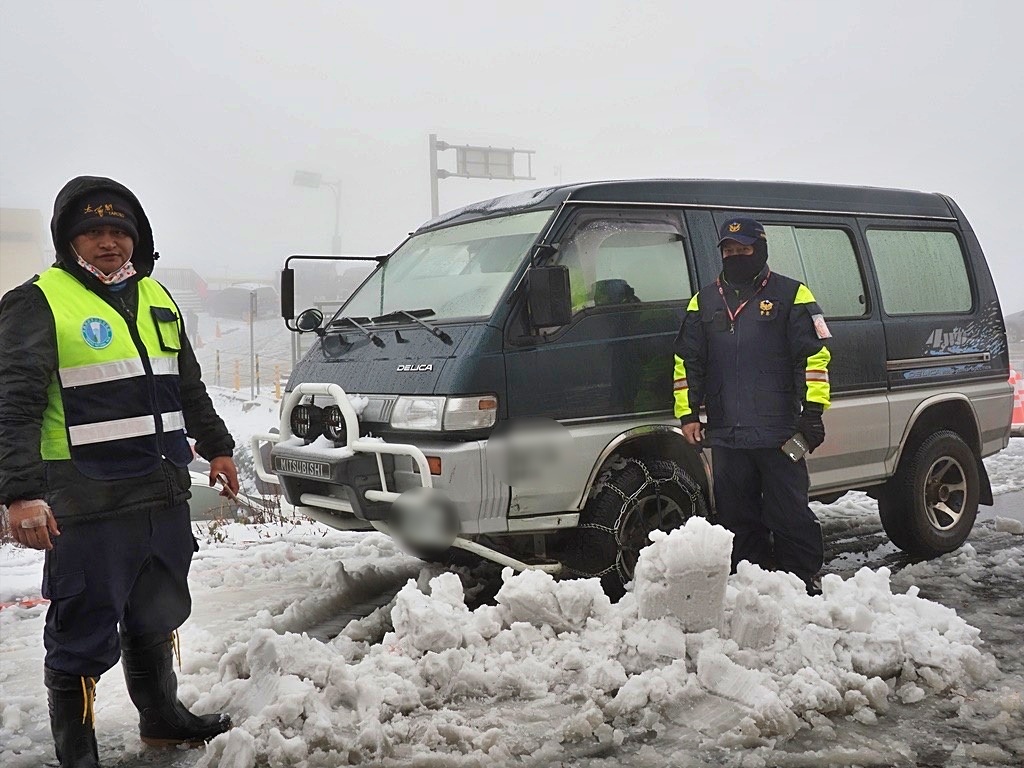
144	254
366	369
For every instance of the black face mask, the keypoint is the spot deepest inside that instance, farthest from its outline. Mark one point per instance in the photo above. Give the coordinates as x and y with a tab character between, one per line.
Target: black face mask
741	270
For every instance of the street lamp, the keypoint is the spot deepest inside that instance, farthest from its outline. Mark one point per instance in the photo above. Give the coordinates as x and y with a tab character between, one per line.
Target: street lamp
316	181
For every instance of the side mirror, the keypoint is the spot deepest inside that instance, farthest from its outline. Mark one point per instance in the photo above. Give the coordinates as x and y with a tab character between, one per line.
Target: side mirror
548	296
287	293
309	320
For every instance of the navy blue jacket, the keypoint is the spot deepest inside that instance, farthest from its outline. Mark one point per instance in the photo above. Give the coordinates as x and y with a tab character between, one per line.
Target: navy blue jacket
753	357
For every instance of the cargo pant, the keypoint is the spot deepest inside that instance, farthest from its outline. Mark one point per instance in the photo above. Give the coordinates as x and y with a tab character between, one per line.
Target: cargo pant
761	496
130	570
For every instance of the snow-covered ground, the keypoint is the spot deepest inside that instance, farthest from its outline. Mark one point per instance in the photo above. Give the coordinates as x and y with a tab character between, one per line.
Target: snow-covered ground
898	664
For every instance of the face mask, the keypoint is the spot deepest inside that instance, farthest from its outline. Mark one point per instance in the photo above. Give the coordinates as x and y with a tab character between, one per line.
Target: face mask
740	270
114	278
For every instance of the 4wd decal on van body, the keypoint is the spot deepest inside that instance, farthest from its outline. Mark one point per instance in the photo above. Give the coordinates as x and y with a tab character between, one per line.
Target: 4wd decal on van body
941	340
985	332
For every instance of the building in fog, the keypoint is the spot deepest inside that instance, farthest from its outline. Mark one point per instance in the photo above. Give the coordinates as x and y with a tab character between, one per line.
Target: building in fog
21	246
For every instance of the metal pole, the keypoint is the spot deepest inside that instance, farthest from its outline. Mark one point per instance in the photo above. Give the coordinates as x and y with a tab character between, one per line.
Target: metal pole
252	345
433	176
336	241
258	374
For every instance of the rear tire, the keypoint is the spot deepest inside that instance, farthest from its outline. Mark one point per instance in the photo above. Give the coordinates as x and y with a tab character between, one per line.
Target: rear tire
929	507
637	497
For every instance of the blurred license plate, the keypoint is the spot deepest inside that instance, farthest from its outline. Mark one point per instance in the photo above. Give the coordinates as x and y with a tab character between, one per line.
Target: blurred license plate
320	470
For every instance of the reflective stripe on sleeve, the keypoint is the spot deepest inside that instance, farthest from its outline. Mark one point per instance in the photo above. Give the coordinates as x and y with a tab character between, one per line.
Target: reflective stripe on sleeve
122	429
680	389
816	378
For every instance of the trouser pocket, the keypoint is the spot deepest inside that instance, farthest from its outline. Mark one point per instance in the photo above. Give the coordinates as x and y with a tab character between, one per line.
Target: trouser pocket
62	590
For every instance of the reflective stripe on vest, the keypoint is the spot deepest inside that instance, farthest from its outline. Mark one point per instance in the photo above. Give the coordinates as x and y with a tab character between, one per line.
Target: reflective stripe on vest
97	373
119	429
105	411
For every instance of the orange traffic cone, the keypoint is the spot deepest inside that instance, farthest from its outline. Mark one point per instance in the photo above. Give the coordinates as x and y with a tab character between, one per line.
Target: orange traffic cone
1017	419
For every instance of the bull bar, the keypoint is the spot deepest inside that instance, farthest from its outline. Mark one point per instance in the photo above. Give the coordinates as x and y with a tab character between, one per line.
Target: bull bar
356	444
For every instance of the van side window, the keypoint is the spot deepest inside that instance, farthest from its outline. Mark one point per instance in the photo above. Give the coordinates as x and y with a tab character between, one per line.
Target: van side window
625	261
825	261
920	272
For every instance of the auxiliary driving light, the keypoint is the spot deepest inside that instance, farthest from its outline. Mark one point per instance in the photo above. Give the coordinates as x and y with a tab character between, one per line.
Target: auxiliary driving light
334	424
307	421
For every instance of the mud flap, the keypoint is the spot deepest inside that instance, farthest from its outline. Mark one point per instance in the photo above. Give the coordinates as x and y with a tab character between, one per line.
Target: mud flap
985	491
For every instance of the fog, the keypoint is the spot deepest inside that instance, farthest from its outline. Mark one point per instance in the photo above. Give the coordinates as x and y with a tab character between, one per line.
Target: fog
206	110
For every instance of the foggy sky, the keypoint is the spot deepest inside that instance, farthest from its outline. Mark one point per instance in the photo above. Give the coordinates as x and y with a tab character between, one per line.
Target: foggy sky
206	109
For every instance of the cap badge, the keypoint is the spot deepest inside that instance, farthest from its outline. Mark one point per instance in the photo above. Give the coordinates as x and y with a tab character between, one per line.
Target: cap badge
734	227
107	209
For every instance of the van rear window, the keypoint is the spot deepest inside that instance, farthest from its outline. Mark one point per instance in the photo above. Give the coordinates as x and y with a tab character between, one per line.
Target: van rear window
920	272
824	260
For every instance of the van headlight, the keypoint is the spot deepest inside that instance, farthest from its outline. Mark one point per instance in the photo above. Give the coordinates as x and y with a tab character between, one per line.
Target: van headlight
434	414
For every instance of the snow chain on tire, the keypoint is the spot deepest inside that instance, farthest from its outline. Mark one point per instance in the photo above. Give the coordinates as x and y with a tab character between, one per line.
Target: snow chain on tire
610	519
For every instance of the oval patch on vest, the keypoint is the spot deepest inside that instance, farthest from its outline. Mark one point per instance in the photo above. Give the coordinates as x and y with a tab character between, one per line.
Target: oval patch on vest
97	332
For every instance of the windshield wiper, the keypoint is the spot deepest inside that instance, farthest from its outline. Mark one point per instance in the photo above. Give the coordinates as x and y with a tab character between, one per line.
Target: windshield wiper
377	340
415	316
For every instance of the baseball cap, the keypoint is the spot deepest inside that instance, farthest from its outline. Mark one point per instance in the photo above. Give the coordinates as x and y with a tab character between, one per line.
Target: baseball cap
743	230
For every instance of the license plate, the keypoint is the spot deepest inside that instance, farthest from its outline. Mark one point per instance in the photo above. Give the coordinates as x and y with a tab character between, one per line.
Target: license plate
319	470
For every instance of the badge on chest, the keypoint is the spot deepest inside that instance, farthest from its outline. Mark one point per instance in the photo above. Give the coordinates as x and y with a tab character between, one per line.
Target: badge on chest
767	309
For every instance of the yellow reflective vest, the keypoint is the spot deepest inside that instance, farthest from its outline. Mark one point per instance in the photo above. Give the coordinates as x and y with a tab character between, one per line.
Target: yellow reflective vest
114	403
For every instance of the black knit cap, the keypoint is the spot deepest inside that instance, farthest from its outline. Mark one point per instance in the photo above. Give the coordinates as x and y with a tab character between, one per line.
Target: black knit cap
102	209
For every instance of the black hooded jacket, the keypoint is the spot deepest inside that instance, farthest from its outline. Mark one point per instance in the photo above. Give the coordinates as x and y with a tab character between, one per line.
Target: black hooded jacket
28	361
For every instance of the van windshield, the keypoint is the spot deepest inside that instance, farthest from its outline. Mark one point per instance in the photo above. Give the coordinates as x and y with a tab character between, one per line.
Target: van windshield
458	271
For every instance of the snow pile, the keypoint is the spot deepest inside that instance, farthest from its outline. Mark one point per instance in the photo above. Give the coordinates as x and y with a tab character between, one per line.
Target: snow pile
555	664
1009	525
684	573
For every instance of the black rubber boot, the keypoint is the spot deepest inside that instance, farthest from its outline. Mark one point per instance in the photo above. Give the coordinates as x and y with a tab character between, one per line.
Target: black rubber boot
71	700
163	720
813	585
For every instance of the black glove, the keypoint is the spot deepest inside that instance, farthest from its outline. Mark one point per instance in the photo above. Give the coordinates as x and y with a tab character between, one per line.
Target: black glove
690	419
811	426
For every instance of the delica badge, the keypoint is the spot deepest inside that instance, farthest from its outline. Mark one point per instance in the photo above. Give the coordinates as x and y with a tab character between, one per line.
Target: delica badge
820	327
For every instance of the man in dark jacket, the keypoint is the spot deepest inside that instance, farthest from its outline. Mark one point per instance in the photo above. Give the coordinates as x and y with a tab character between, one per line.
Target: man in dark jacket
100	389
752	351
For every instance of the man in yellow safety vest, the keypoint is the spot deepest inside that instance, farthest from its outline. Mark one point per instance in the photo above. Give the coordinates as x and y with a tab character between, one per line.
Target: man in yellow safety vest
101	390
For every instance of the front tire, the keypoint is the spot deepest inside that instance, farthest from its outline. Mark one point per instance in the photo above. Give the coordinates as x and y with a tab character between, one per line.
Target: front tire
932	502
636	497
